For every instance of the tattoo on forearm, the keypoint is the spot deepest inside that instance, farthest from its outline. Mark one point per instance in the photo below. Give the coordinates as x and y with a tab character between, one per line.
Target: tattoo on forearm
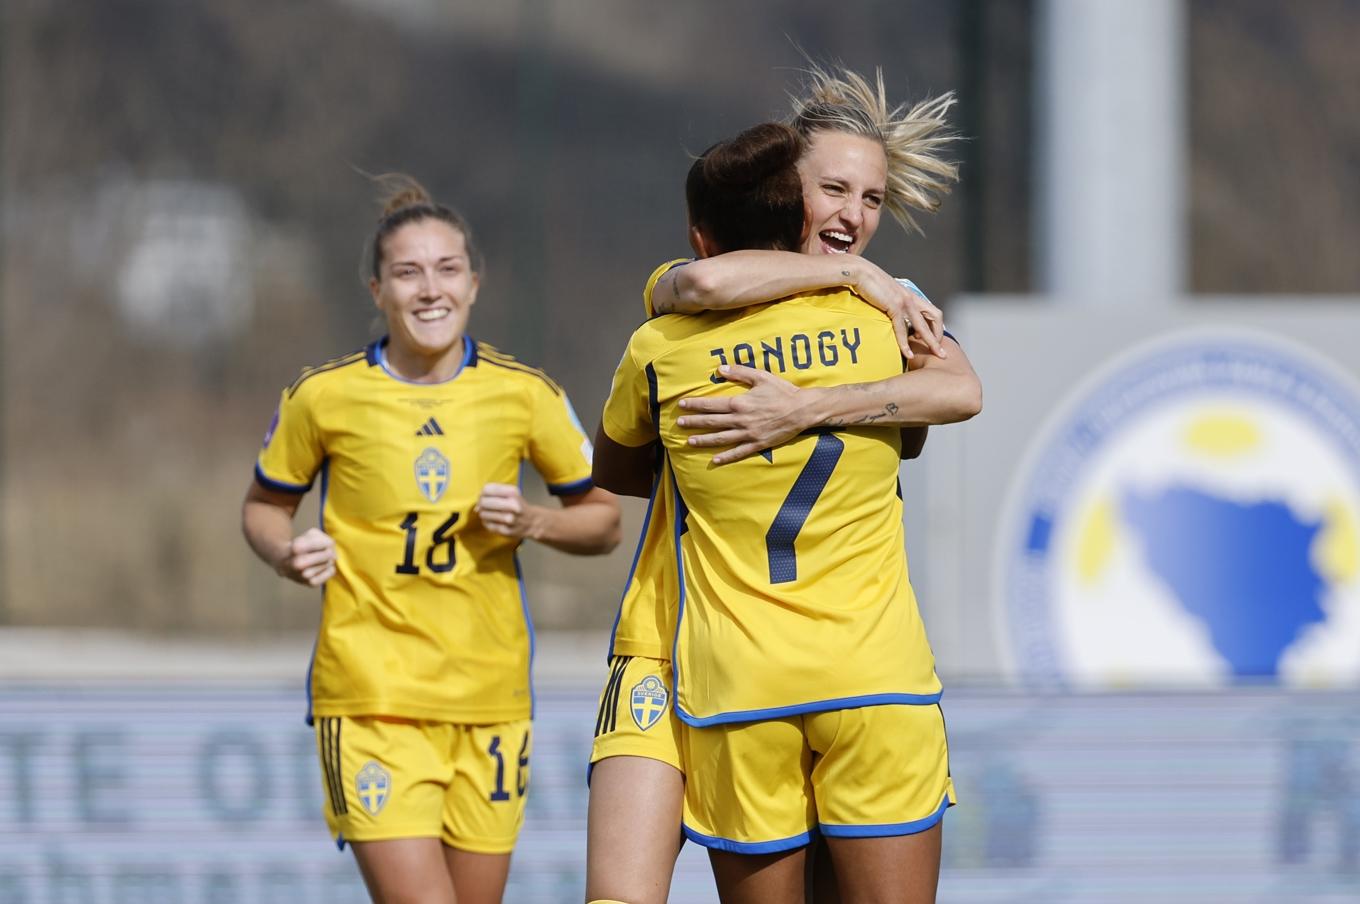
661	305
888	410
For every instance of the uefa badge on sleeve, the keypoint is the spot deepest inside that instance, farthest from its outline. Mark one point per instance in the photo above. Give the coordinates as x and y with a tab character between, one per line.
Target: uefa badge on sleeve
649	699
373	782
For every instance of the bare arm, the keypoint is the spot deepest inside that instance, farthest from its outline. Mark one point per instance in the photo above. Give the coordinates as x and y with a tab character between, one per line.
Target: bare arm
934	391
739	279
267	522
587	524
626	470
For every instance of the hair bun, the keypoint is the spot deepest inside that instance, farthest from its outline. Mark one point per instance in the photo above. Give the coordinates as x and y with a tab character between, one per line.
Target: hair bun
399	191
752	156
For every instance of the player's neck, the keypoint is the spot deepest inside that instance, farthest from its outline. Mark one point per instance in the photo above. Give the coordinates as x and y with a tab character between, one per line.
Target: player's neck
417	366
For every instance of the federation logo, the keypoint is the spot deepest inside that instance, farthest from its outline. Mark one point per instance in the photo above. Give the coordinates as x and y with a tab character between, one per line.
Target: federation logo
1190	517
373	782
432	473
649	698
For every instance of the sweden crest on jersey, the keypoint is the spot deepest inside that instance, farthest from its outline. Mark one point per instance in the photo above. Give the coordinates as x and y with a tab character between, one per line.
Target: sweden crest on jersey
432	473
373	782
648	701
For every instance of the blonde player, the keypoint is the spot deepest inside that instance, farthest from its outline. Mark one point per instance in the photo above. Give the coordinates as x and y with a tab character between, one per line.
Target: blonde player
801	667
862	157
420	682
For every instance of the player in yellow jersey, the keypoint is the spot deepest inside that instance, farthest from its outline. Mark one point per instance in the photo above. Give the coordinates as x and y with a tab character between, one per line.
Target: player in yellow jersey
800	630
637	784
420	681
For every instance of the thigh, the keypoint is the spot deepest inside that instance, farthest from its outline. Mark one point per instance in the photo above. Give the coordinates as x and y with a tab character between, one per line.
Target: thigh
477	878
759	878
405	871
891	869
383	778
747	788
633	829
484	805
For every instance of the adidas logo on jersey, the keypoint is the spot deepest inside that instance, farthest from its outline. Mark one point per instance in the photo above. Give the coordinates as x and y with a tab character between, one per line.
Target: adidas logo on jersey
430	428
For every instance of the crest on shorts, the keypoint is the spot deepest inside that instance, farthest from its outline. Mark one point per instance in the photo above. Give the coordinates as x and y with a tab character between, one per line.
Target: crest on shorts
373	782
432	473
649	701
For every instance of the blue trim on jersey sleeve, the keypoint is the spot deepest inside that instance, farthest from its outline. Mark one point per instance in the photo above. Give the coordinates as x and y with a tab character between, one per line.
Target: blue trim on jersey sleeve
949	335
533	641
280	486
632	569
583	485
747	847
815	706
886	829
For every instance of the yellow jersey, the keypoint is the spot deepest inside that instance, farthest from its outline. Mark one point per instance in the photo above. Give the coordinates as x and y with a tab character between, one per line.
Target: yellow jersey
425	617
794	591
645	623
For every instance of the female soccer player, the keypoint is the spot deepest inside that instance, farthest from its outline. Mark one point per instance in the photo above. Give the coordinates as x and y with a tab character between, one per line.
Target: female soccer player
801	667
420	680
863	156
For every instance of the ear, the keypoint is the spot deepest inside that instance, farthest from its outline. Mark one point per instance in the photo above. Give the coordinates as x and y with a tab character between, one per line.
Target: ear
807	225
374	289
476	284
699	244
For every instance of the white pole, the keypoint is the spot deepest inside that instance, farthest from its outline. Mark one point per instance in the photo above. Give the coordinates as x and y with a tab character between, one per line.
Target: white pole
1110	173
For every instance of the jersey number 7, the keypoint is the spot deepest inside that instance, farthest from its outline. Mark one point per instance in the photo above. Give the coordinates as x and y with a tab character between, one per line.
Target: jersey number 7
793	514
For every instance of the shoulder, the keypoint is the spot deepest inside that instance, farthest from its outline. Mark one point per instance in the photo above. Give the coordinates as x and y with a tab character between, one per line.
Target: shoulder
665	268
664	332
510	368
337	369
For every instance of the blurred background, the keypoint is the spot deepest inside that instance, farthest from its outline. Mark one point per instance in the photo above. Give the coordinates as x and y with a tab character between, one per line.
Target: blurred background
1140	566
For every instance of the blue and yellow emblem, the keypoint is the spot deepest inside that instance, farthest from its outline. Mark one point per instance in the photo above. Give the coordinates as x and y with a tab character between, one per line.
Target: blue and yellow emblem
649	700
432	473
373	782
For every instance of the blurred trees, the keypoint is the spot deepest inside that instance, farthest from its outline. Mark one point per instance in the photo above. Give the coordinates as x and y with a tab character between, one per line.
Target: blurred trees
139	136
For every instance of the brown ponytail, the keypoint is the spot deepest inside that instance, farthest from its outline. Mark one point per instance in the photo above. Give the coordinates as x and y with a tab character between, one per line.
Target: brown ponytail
746	192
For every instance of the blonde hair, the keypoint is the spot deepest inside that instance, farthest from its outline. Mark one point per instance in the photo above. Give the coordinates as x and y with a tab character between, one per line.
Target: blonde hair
839	100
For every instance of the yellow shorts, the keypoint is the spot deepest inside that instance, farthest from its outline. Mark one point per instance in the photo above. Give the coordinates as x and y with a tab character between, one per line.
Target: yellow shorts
762	787
401	778
635	717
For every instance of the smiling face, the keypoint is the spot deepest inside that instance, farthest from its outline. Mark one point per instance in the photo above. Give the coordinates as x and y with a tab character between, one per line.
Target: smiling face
845	181
425	289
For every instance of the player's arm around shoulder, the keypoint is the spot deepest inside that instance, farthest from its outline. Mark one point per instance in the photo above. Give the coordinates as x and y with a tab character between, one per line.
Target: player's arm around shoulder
933	390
